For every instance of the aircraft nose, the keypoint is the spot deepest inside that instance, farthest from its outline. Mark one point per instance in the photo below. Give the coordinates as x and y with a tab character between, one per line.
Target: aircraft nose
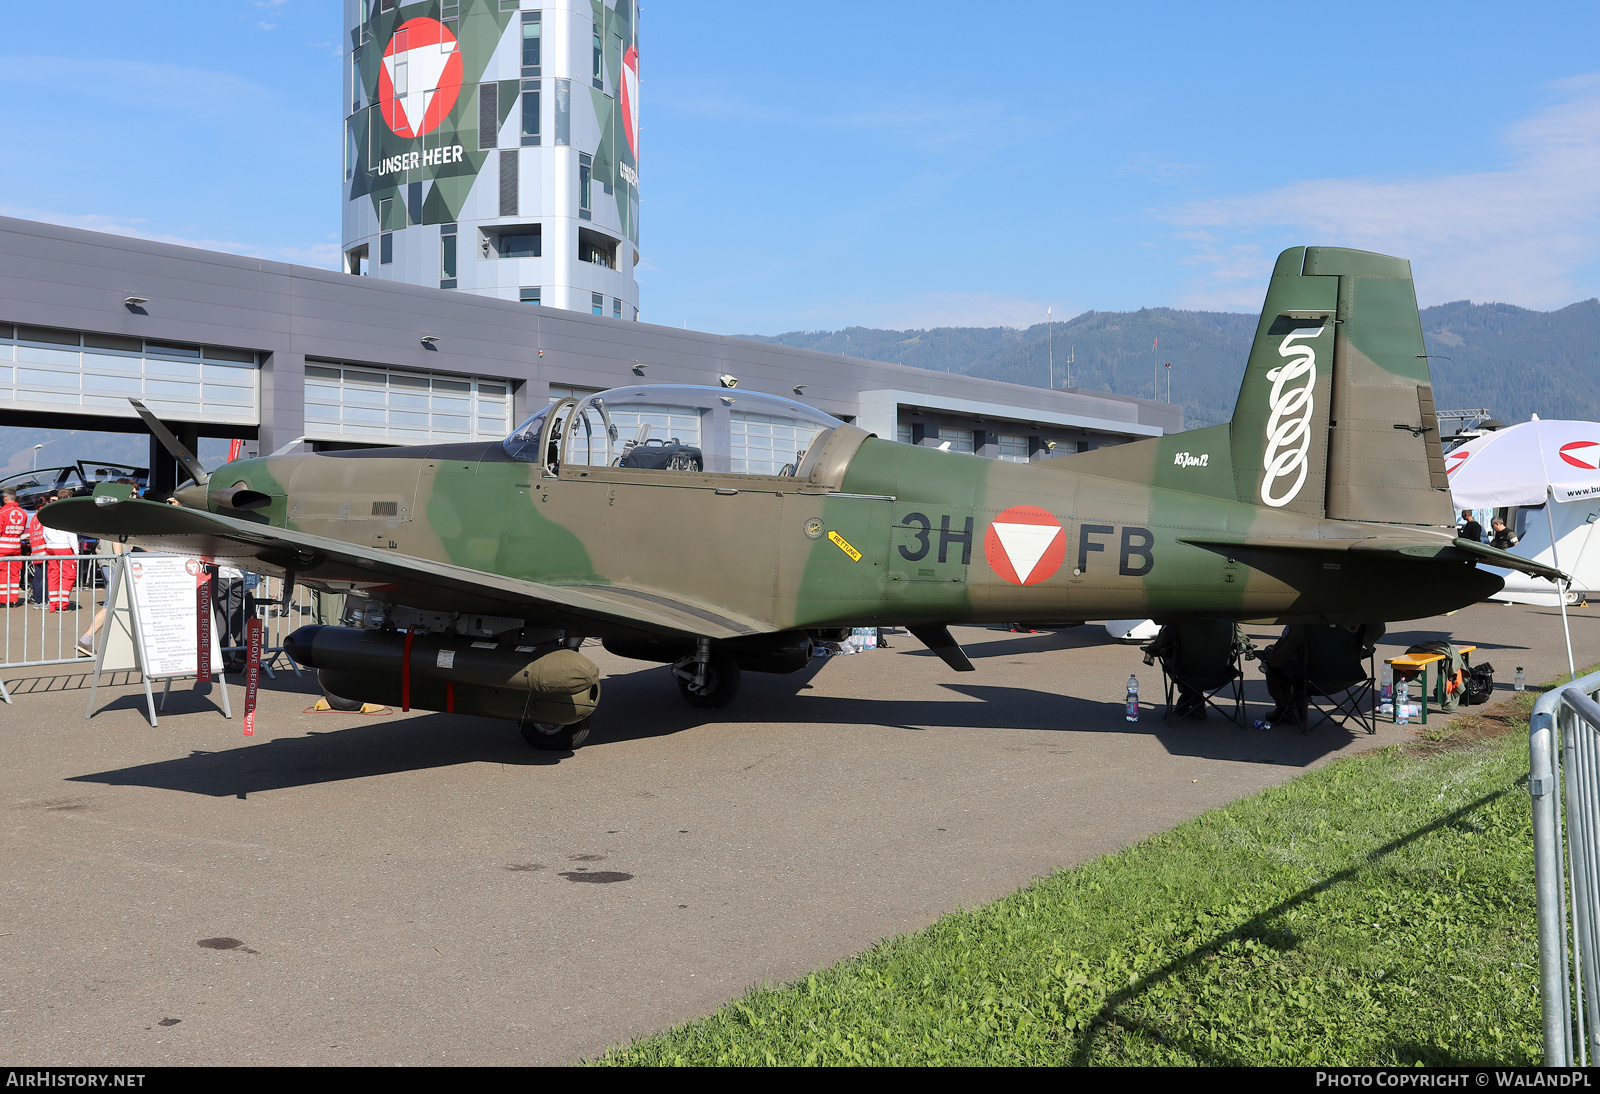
191	497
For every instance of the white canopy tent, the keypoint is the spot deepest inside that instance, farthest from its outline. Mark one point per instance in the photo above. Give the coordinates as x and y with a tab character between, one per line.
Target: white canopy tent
1547	476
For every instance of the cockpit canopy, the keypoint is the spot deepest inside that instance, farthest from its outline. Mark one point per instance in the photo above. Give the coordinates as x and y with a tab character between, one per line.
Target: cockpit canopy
677	427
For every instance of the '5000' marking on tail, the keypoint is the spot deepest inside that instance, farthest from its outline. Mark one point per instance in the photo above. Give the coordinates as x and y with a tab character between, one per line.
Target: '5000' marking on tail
1289	425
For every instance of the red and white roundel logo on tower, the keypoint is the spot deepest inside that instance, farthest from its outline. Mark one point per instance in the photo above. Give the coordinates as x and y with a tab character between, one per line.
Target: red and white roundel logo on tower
630	99
420	78
1584	454
1025	545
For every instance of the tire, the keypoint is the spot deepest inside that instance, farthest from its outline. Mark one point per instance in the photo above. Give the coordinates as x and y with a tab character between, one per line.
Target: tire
722	684
340	703
553	738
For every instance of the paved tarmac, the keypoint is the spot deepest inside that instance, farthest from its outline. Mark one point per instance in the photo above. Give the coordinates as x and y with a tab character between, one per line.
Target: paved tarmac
425	888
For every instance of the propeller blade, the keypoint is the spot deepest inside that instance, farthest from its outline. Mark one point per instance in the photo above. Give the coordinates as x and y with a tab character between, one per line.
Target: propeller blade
196	472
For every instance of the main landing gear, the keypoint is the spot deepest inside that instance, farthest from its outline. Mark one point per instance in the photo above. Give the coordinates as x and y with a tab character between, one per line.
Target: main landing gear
707	678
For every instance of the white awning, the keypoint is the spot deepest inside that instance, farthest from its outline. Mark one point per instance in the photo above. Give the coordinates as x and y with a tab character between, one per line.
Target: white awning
1523	464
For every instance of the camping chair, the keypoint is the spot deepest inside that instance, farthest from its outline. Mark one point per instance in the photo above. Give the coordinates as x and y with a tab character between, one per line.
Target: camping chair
1337	684
1201	656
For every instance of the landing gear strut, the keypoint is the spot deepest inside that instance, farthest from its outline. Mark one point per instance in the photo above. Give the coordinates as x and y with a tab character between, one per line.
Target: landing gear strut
707	678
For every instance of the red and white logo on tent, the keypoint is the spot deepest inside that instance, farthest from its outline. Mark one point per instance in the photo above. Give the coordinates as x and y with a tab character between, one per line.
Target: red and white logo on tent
1454	460
420	78
1025	545
630	99
1584	454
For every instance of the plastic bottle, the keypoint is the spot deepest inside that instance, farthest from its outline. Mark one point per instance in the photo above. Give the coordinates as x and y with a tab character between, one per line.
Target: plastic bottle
1261	723
1402	702
1133	699
1519	681
1386	689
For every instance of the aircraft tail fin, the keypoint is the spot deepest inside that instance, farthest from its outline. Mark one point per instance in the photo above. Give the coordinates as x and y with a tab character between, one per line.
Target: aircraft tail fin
1335	416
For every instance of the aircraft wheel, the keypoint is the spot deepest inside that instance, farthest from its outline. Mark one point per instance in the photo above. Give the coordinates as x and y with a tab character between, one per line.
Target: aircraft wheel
722	684
553	738
339	702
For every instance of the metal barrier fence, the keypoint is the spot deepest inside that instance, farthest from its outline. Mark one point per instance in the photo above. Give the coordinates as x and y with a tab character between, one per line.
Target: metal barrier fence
31	636
1564	781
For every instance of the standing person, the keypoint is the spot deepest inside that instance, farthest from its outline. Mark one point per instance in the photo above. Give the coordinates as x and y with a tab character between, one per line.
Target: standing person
13	526
1501	536
1470	528
60	575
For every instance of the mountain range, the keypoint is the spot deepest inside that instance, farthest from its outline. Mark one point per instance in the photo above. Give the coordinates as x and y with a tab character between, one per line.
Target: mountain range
1510	361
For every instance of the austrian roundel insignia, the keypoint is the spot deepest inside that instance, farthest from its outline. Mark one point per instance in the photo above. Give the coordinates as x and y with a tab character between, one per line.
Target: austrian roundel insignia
1025	545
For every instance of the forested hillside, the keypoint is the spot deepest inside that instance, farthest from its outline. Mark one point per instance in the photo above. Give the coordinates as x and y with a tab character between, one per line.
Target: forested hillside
1511	361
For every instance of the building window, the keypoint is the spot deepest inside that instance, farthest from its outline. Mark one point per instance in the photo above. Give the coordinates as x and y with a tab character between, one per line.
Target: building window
530	43
1013	448
955	440
563	110
902	433
386	248
414	201
597	303
510	5
447	256
598	73
355	80
488	116
385	206
513	241
597	248
530	111
356	260
616	308
635	315
530	294
584	167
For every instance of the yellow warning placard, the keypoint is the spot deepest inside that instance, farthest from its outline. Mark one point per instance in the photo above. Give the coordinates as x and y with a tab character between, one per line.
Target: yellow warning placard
844	545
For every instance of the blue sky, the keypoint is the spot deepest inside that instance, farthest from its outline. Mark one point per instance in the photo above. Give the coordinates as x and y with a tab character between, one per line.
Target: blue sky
820	165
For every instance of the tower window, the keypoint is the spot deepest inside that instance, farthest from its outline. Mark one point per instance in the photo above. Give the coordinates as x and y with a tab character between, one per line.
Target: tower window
530	111
616	308
386	248
447	256
584	167
599	80
597	303
530	294
530	43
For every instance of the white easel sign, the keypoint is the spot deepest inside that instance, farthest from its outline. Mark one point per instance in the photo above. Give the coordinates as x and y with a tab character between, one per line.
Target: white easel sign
155	630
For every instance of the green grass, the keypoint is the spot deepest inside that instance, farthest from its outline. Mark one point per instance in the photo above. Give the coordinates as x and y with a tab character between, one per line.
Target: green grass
1376	911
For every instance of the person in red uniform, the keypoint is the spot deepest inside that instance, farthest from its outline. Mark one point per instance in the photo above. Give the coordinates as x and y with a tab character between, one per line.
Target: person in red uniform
13	523
61	570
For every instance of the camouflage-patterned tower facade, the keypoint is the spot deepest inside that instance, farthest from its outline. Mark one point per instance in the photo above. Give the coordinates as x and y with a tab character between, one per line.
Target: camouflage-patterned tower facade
492	146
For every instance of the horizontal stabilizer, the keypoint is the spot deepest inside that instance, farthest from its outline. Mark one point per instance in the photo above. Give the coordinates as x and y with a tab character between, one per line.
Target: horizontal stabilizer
1418	547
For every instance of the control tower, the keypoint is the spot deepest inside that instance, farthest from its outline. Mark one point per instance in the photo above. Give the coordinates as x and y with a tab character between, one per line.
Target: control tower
492	146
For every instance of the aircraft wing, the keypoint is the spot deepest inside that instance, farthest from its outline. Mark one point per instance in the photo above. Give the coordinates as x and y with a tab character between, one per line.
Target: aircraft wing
418	582
1419	547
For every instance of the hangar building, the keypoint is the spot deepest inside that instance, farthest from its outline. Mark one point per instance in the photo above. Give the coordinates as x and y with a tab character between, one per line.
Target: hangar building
222	345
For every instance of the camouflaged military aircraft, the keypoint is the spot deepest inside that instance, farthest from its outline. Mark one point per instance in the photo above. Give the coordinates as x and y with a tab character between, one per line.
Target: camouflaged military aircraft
719	530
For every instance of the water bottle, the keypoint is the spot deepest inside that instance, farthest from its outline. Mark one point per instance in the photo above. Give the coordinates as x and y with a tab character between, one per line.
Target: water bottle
1402	702
1261	723
1386	689
1133	699
1519	681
